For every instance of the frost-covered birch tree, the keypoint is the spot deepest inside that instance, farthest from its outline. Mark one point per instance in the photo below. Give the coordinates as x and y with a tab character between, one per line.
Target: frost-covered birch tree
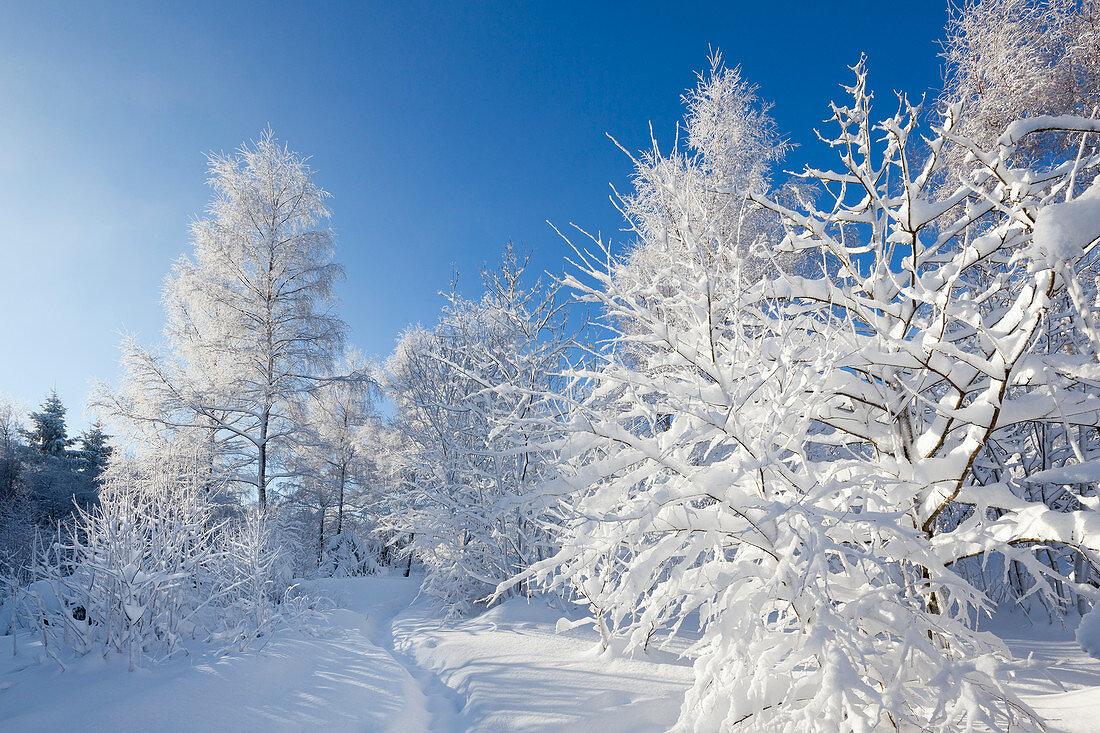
251	326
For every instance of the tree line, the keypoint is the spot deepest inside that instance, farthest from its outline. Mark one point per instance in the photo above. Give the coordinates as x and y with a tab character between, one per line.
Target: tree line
44	474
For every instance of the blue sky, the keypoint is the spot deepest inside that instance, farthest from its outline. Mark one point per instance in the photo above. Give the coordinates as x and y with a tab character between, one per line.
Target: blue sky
442	131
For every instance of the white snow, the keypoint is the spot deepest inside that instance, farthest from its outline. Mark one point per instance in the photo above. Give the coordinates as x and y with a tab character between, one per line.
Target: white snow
1063	681
343	681
516	674
1088	632
387	662
1063	230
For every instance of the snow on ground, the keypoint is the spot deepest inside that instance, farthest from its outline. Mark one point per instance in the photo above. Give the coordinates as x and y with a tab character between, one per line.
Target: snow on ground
516	674
1063	682
388	663
343	681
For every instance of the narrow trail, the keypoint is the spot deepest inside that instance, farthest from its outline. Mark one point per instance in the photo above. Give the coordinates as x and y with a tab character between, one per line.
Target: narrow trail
442	706
443	703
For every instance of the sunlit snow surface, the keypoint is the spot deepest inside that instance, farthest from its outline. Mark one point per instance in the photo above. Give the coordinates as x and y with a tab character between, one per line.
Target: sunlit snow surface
386	665
1063	682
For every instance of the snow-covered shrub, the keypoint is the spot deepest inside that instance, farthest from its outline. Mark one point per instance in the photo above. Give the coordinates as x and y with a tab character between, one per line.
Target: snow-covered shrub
152	569
254	573
135	574
346	556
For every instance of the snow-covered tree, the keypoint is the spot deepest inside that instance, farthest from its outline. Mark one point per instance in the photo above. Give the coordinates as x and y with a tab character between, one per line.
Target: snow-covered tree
95	450
48	433
729	141
1011	59
465	394
251	326
775	451
951	296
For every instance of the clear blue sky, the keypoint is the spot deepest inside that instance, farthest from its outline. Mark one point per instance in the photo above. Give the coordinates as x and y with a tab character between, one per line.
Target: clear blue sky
442	130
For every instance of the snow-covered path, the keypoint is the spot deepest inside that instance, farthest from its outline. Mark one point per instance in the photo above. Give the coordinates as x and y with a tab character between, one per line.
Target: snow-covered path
343	681
387	664
515	673
1063	683
379	600
384	664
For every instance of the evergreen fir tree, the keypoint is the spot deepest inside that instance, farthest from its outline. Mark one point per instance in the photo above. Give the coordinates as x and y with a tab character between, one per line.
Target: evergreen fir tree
95	450
49	436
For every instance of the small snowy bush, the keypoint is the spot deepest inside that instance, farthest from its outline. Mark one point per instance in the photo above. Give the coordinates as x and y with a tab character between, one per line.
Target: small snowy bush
150	570
134	574
346	555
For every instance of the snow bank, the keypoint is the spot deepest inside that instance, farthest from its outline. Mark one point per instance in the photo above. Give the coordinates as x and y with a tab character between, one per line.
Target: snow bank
342	681
1088	632
388	663
1062	683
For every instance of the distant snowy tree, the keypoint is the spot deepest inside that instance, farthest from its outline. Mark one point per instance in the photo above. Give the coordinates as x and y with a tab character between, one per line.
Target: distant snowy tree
1011	59
11	432
17	512
679	206
95	450
49	471
251	326
48	433
342	410
393	471
465	394
348	556
334	465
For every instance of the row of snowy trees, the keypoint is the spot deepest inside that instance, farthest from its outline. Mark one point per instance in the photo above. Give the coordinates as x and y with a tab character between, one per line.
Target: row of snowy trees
44	475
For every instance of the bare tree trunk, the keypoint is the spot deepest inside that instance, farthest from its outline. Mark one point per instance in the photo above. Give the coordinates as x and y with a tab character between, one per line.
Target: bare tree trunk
1082	573
261	470
340	505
